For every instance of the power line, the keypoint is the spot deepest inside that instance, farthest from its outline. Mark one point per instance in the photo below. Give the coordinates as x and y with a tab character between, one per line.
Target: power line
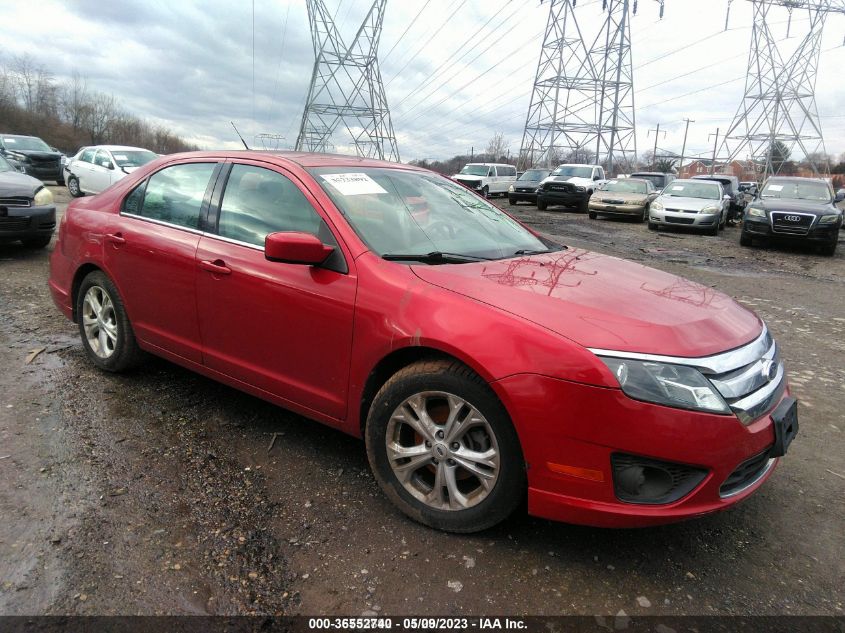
384	57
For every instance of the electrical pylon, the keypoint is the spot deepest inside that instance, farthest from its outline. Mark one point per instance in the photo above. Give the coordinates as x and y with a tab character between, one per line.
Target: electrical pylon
582	105
779	105
346	87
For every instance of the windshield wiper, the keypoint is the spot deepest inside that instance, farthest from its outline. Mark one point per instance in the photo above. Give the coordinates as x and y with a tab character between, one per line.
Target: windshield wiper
523	251
435	257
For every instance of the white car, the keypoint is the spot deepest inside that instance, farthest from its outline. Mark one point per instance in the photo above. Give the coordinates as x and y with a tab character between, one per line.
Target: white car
695	204
487	178
98	167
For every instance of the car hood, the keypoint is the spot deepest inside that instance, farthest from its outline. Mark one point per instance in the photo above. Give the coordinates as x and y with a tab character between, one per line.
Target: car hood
526	183
604	302
802	206
620	195
467	177
575	180
36	154
687	204
14	183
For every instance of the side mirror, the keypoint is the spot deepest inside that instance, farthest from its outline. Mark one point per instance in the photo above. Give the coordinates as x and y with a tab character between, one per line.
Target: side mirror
839	197
596	177
727	197
110	166
296	248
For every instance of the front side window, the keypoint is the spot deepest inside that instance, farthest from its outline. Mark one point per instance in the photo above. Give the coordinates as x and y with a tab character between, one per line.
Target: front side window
506	170
102	159
87	156
259	201
400	212
174	194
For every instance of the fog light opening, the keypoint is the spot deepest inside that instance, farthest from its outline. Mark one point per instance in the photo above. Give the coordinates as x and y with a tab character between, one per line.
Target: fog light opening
644	480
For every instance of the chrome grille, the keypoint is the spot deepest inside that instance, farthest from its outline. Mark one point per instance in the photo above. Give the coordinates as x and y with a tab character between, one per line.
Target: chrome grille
790	223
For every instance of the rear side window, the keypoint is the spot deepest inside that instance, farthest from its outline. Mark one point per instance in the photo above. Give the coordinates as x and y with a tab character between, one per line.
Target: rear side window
87	156
173	195
102	159
259	201
504	170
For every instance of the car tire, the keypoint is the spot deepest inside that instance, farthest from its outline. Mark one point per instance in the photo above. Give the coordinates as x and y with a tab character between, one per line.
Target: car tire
73	187
593	215
584	206
745	239
412	411
541	205
60	182
485	192
512	201
644	217
713	232
107	335
37	242
652	226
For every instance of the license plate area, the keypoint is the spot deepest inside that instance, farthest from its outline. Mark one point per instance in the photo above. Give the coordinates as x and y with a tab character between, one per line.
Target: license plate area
785	418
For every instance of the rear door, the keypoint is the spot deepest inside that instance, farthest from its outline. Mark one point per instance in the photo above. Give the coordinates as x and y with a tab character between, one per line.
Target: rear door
150	252
284	328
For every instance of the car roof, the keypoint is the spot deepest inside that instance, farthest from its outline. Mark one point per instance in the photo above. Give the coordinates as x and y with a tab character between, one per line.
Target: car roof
117	148
643	180
302	159
714	177
796	179
20	136
651	173
696	181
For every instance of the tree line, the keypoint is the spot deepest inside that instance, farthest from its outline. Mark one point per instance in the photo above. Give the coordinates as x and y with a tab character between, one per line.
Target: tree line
68	114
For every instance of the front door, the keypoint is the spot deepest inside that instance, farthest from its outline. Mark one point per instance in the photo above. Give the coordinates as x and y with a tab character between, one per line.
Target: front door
150	251
284	328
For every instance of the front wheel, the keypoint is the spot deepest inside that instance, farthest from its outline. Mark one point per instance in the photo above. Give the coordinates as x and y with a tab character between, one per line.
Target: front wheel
830	249
485	192
541	205
652	226
107	335
512	201
745	239
593	215
443	449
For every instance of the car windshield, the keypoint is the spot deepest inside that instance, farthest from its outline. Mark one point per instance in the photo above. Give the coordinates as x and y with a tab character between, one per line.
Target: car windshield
403	212
704	190
475	170
133	158
569	171
4	165
796	190
534	174
656	179
625	186
25	143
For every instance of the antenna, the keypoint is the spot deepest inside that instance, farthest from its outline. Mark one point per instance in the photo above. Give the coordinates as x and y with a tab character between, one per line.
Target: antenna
239	135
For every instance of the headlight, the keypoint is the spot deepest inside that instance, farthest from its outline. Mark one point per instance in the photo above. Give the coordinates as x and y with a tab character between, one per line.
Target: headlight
510	189
711	208
657	206
757	213
661	383
829	219
44	196
580	189
21	158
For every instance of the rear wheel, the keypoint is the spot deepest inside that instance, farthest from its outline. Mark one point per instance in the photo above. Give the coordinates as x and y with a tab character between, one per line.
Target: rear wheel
443	449
73	187
106	333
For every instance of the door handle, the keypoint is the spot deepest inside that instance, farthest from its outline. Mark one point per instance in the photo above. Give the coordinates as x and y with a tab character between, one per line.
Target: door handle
218	267
115	238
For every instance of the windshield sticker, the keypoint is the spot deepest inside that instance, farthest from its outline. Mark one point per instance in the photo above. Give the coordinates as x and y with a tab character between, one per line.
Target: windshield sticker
8	140
353	184
677	188
121	157
775	187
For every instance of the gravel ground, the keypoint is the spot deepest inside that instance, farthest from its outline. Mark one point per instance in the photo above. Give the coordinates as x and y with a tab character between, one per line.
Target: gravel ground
162	492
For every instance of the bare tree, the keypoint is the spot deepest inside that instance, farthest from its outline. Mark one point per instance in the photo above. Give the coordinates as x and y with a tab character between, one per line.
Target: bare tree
73	100
498	146
99	115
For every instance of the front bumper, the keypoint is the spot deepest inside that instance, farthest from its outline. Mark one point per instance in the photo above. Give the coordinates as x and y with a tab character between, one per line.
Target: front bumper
18	223
617	209
569	199
579	427
523	196
754	226
689	219
43	172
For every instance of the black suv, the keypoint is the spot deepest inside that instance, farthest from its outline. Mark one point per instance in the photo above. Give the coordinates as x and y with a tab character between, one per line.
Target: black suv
793	208
37	158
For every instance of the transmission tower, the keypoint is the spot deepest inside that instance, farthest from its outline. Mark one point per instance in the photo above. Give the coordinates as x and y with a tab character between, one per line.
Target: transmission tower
582	105
778	112
346	87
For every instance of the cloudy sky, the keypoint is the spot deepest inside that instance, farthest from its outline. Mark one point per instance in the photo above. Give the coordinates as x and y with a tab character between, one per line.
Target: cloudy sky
460	72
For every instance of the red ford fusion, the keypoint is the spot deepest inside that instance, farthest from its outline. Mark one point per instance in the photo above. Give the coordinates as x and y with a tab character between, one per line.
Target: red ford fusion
481	362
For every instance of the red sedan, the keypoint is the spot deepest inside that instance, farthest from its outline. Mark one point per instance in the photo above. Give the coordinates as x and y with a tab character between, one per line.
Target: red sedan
480	361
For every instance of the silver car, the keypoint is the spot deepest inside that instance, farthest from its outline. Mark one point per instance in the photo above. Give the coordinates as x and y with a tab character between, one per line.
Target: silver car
697	204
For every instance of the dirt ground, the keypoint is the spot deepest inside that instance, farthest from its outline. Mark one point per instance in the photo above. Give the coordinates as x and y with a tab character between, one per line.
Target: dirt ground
162	492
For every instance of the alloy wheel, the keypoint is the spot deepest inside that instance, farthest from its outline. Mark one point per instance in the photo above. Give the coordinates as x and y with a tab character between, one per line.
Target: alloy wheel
99	321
